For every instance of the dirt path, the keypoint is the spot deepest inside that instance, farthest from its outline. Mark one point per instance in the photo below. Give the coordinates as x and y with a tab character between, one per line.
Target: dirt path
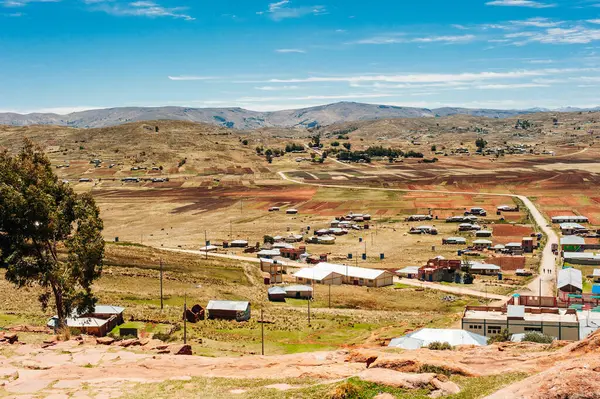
229	256
548	262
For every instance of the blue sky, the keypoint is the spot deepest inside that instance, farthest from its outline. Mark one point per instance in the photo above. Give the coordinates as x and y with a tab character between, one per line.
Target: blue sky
66	55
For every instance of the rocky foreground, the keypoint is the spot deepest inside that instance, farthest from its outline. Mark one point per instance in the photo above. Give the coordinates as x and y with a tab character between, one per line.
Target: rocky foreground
103	368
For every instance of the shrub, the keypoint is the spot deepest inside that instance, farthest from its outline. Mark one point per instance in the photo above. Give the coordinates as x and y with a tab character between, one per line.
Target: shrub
504	336
245	142
345	390
540	338
429	368
439	346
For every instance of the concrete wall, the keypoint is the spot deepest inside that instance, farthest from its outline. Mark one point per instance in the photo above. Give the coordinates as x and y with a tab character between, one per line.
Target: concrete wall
568	331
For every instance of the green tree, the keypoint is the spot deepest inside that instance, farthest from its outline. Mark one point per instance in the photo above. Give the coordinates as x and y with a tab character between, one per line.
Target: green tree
480	143
347	146
434	148
49	236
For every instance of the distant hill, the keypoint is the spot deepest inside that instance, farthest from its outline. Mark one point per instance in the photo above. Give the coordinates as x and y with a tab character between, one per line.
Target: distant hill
239	118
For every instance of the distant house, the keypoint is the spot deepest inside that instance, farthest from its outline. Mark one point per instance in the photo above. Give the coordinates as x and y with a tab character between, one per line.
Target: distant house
468	227
581	258
100	322
85	180
508	208
570	219
418	218
483	233
527	244
238	244
312	275
454	241
572	243
229	310
570	280
130	180
484	268
514	247
476	211
572	228
409	272
482	244
350	275
268	253
209	248
298	291
276	294
291	211
596	275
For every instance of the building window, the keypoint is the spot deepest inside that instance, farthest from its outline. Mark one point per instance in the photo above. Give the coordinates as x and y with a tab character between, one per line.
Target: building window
494	330
475	327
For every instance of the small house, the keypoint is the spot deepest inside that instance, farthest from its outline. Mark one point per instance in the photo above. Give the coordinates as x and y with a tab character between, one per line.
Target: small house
292	211
596	275
209	248
484	268
298	291
100	322
569	219
570	280
312	275
572	228
498	248
418	218
508	208
572	243
276	294
514	247
454	241
409	272
480	245
238	244
268	253
229	310
274	209
527	244
326	240
483	233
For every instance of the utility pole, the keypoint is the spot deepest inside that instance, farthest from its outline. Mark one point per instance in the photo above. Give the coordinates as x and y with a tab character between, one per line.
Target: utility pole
205	244
329	295
161	284
262	332
185	319
230	230
308	301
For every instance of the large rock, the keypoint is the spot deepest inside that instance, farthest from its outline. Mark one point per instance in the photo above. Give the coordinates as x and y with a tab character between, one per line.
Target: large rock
447	387
126	343
105	340
396	378
11	337
180	349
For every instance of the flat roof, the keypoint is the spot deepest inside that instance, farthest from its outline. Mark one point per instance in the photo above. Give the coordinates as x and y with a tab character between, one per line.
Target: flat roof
228	305
313	273
572	240
571	226
497	315
351	271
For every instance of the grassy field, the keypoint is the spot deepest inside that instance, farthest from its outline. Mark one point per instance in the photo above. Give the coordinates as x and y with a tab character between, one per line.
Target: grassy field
358	315
353	388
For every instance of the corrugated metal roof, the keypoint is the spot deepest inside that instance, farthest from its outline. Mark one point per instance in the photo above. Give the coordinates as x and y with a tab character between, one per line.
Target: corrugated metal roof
276	290
351	271
564	226
409	270
558	219
238	306
312	273
293	288
428	335
570	276
581	255
108	309
572	240
269	252
483	266
457	239
482	242
517	311
596	273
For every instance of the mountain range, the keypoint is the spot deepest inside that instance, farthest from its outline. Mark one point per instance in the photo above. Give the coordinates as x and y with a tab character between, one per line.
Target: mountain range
240	118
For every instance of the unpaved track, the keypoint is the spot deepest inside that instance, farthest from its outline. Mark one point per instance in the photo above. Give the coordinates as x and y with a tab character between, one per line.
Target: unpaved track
452	289
548	262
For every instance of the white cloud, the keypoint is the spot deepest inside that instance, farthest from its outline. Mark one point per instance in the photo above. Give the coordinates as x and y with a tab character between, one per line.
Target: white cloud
572	35
283	10
540	61
510	86
538	23
290	50
316	97
23	3
142	8
277	88
400	38
594	21
191	77
520	3
435	77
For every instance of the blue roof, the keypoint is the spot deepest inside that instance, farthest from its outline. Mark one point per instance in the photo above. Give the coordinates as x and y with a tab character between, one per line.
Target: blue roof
596	289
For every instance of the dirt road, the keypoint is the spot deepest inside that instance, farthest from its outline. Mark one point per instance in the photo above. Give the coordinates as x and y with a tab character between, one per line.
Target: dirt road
231	256
548	263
